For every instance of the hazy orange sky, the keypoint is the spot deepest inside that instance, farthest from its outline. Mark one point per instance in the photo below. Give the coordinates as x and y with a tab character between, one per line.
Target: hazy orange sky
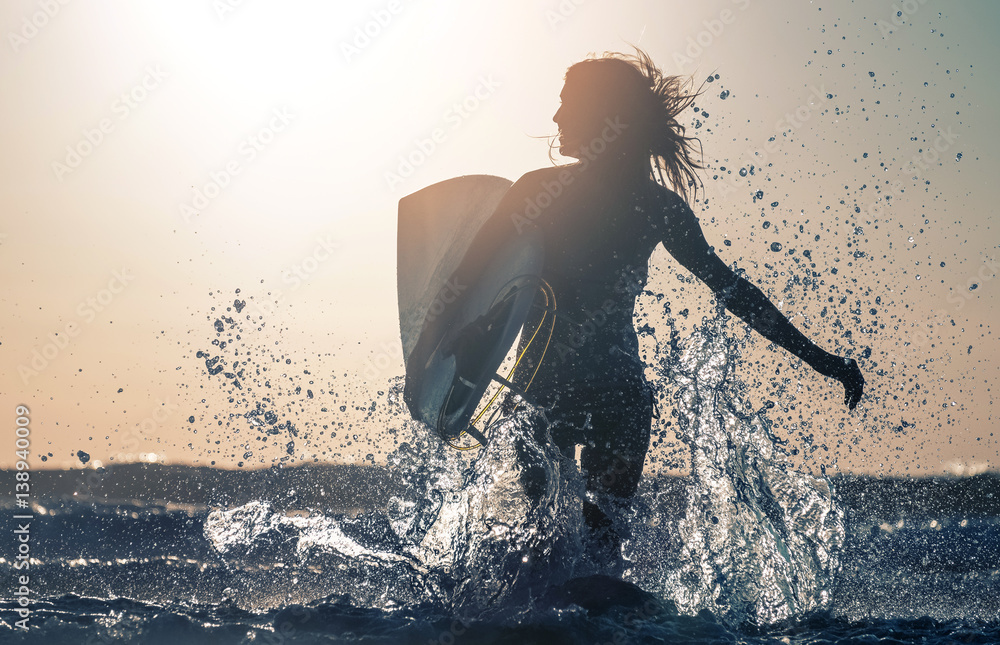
158	156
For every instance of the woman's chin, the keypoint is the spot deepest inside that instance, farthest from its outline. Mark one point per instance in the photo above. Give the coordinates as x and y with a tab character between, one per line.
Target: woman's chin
569	151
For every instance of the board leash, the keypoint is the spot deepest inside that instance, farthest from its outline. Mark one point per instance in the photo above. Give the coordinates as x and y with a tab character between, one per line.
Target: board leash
507	383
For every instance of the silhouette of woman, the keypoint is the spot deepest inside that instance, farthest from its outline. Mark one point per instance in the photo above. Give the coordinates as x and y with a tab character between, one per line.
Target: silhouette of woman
600	219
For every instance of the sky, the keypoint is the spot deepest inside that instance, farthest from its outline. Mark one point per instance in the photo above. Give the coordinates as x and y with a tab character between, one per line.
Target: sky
163	161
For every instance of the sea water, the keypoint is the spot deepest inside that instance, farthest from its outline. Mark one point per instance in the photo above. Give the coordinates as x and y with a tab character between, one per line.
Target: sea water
745	549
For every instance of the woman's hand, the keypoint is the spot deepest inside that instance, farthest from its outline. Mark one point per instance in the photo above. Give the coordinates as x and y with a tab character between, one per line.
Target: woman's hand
846	371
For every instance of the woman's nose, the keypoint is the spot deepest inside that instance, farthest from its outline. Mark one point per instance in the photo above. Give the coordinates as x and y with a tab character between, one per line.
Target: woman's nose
555	117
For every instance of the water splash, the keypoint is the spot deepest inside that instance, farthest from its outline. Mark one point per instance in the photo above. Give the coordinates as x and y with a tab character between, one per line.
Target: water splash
484	538
751	541
755	541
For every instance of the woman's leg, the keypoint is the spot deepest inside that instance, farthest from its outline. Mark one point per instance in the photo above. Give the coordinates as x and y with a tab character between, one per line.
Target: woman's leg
613	424
613	457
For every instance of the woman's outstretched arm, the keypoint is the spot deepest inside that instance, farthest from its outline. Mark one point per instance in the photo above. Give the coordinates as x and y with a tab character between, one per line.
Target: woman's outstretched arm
685	241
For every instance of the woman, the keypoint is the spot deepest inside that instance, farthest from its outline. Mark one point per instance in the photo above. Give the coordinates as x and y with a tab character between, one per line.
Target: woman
600	219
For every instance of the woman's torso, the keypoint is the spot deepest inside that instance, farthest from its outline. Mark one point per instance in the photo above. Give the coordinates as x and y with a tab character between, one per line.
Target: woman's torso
598	238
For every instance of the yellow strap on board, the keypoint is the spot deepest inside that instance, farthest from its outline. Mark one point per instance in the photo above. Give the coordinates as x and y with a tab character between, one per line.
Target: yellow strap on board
550	297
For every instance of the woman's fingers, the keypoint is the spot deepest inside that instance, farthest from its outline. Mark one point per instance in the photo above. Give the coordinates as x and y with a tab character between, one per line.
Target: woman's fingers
854	385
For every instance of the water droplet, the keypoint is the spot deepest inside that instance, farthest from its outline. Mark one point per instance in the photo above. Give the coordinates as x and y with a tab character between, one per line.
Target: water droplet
776	246
724	95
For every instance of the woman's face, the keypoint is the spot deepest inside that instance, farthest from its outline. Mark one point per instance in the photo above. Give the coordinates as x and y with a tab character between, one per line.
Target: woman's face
580	118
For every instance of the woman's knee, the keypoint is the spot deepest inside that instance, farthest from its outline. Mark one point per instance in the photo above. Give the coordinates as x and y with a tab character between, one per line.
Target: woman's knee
612	473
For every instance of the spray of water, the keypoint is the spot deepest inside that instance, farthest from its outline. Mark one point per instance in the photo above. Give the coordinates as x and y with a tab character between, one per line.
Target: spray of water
753	540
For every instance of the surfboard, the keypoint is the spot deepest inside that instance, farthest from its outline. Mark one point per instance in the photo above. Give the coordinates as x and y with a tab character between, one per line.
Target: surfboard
456	329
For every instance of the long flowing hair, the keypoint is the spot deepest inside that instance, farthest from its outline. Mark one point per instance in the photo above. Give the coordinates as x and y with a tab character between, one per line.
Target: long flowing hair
652	101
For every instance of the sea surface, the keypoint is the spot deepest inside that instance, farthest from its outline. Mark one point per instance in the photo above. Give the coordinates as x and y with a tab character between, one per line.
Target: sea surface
140	571
444	547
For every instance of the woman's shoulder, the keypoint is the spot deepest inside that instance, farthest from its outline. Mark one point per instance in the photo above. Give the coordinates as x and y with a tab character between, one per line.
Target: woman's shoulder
563	174
666	197
671	208
542	186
